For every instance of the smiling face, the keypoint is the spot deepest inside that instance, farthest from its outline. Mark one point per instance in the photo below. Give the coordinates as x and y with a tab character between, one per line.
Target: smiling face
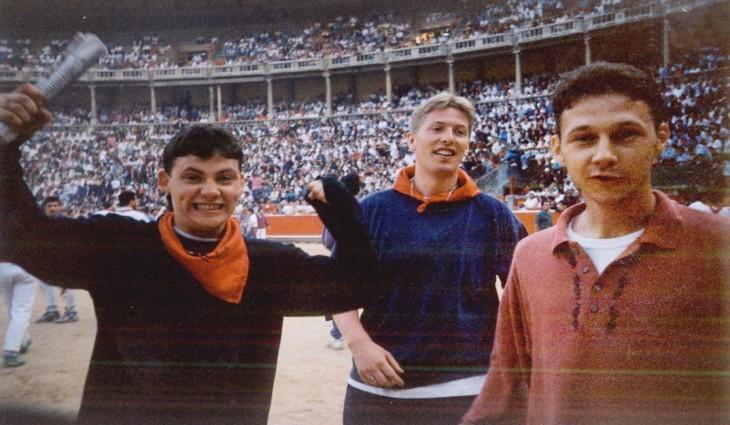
608	143
204	193
440	142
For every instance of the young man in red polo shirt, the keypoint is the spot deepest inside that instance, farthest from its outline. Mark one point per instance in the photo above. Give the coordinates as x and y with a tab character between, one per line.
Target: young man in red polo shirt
619	313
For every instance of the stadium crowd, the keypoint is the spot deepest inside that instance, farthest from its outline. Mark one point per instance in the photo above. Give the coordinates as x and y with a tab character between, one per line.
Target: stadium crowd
87	167
343	36
404	98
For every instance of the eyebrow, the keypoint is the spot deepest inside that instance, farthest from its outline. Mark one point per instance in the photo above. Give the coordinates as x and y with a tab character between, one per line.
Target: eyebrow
578	129
447	123
199	171
625	123
629	123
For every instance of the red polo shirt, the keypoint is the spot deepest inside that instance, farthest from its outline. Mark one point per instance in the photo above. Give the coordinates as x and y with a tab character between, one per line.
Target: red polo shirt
646	341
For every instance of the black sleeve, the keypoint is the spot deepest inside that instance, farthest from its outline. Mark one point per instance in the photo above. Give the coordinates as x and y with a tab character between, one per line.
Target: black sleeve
68	253
286	279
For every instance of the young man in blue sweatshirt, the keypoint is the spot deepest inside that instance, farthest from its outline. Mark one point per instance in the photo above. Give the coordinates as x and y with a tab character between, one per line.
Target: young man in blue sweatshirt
421	350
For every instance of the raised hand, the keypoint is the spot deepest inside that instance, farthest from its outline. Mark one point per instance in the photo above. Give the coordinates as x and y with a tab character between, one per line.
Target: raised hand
315	191
24	110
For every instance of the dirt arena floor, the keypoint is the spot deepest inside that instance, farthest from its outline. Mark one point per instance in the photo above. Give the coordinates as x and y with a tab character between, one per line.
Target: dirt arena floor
309	386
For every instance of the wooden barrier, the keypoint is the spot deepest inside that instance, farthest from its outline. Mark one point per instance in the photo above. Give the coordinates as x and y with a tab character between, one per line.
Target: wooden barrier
528	219
311	226
294	225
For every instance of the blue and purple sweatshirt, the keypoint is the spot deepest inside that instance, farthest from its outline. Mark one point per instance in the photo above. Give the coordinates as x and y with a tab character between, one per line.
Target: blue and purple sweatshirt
437	304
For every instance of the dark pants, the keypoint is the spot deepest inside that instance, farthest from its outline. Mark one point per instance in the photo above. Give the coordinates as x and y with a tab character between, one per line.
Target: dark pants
363	408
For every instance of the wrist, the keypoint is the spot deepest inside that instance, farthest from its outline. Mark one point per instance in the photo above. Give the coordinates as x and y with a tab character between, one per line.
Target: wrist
357	342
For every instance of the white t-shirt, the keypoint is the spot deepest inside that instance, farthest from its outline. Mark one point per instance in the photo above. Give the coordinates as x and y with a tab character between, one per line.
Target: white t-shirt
603	251
131	213
458	388
700	206
532	203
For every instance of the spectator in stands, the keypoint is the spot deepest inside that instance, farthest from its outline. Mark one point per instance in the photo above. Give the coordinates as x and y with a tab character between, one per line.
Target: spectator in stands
544	218
128	207
419	350
648	276
532	202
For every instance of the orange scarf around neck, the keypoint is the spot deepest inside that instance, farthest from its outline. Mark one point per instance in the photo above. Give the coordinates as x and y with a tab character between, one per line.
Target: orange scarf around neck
465	188
222	272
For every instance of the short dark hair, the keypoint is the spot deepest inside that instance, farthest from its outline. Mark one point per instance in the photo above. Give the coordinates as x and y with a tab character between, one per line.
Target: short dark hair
204	141
107	203
50	199
352	183
600	78
126	197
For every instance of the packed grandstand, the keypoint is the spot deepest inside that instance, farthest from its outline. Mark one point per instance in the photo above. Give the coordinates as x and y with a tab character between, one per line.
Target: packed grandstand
344	35
96	148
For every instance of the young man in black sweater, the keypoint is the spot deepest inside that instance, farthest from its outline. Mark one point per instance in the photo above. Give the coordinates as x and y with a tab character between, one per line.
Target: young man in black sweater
189	315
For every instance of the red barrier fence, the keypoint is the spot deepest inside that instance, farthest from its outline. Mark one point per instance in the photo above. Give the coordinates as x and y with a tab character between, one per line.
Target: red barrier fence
310	226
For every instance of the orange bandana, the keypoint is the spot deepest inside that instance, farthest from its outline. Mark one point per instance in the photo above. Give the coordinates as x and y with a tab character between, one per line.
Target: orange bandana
465	188
222	272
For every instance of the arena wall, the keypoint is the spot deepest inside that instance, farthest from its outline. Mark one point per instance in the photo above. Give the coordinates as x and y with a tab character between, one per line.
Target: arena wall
309	226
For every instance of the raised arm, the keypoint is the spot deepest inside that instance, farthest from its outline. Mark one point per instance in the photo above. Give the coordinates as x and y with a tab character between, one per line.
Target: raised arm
286	279
23	111
63	251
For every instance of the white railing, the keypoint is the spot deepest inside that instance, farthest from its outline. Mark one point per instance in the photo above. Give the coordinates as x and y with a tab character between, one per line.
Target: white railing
481	43
385	111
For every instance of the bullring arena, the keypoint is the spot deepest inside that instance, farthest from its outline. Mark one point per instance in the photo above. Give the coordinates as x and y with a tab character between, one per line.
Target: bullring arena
313	87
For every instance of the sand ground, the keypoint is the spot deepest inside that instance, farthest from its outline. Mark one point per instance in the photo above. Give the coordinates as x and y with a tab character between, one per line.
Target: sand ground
309	386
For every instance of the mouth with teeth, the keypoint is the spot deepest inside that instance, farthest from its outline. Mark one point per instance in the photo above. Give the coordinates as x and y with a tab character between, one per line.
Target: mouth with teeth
208	207
445	152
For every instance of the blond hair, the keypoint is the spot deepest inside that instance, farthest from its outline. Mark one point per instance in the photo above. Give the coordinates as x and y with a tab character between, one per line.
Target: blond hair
440	101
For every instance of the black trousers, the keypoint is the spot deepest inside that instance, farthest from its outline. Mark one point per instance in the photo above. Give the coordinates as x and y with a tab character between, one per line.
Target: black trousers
362	408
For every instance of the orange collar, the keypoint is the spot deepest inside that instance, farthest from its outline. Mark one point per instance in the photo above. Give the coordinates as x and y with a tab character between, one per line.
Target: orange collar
222	272
465	188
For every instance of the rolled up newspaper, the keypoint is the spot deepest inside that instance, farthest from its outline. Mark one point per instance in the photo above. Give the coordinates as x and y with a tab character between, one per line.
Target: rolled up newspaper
82	52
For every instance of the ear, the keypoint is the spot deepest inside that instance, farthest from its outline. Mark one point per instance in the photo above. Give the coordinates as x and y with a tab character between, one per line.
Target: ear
241	185
411	141
555	148
662	134
163	181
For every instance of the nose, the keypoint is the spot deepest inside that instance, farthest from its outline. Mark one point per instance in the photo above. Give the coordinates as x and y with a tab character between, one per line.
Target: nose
209	188
448	135
604	155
